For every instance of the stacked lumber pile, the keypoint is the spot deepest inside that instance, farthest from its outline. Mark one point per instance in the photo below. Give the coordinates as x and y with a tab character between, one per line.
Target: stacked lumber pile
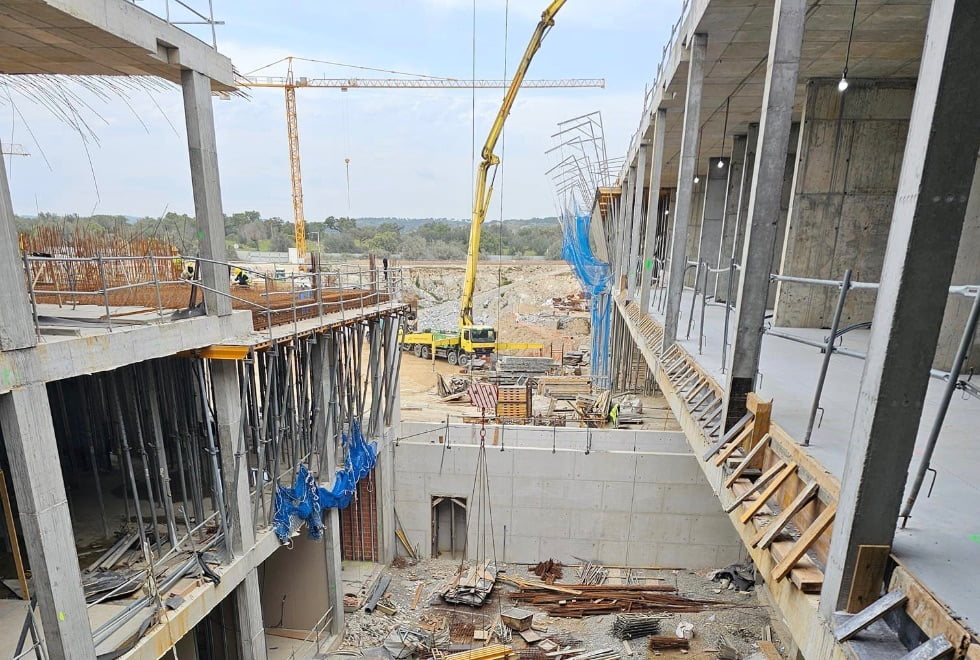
581	600
564	387
663	643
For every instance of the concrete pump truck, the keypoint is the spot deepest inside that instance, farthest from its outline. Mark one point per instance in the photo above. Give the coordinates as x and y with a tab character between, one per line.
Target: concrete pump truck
471	340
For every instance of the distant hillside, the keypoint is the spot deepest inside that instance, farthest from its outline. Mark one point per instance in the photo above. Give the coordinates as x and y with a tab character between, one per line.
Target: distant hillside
413	223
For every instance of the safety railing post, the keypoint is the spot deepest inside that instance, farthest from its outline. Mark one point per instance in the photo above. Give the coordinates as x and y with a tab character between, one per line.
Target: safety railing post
728	313
318	278
360	287
105	291
32	295
292	289
828	352
268	306
704	303
694	296
156	284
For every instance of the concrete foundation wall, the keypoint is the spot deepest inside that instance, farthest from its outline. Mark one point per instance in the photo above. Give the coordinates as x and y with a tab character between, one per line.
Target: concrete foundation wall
636	498
850	156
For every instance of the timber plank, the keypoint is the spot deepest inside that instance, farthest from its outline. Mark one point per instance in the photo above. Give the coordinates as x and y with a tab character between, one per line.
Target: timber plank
759	483
807	539
935	648
858	622
869	574
737	472
772	530
770	490
729	435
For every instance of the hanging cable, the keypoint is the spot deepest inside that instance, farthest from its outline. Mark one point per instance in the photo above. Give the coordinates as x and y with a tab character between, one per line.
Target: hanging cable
842	84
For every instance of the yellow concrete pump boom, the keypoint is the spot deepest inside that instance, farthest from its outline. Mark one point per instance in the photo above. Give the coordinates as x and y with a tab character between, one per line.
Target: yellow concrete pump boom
481	198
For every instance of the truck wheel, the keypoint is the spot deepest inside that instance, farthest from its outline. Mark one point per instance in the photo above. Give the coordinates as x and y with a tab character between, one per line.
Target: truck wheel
417	350
453	358
426	352
464	360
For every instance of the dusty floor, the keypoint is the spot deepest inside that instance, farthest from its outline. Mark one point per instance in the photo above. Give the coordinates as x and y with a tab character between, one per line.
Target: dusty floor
739	627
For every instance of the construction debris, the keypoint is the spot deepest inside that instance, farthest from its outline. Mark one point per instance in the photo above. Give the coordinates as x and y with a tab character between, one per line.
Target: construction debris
631	626
667	642
473	588
610	599
492	652
549	571
592	573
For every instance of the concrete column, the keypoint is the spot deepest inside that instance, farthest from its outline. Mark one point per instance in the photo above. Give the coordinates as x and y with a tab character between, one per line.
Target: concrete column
16	320
840	210
228	415
713	214
634	267
251	630
685	187
729	223
25	417
203	152
933	190
326	357
653	210
626	230
619	224
745	193
764	203
789	175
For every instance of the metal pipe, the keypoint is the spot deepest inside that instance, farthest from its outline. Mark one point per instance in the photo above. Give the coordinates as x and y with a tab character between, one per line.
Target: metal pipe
704	302
828	352
216	486
728	311
105	293
694	296
951	384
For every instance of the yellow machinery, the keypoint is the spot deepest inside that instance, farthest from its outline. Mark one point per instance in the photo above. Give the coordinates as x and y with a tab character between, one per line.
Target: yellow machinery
290	83
479	339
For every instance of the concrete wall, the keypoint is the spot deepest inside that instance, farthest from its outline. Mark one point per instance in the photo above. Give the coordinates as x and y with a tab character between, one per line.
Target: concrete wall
636	498
851	148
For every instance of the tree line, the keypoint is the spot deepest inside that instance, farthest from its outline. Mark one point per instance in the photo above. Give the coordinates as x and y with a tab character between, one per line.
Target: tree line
441	240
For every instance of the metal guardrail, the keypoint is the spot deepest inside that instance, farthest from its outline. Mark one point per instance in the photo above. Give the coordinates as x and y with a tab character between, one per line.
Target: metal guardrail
179	13
351	288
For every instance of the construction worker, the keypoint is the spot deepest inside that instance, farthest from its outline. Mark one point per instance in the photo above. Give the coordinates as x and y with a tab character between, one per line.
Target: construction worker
241	277
614	416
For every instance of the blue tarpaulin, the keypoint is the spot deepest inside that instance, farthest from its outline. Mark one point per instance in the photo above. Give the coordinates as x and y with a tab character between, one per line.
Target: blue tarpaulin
304	501
594	276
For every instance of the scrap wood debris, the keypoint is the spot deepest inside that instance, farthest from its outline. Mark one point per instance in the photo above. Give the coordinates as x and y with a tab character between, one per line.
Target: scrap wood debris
549	571
667	642
610	599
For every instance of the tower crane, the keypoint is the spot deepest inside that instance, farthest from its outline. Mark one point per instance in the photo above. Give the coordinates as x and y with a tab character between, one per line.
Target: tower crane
290	83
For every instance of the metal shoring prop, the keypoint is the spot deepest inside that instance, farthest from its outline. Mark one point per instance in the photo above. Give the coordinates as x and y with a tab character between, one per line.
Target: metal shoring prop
87	422
951	385
132	396
162	470
217	487
828	352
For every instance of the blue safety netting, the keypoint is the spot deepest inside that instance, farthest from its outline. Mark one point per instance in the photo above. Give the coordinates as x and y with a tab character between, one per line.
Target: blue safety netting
304	501
595	277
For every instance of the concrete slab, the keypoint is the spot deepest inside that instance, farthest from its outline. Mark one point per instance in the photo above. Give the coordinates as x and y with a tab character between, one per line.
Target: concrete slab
942	539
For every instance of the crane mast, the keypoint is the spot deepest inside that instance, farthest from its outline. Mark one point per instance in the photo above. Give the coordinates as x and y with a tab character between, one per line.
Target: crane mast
295	174
483	190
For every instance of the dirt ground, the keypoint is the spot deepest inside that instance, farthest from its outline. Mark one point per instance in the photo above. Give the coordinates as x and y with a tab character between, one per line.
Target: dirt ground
739	626
517	298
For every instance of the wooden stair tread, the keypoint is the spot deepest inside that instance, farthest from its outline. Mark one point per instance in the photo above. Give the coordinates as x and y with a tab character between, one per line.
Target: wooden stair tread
806	575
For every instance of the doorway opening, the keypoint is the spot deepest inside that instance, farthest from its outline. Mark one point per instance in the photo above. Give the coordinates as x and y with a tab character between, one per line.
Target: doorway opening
448	527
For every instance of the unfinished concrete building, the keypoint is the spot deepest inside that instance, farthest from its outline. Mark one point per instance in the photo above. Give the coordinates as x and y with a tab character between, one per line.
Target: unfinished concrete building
796	241
165	423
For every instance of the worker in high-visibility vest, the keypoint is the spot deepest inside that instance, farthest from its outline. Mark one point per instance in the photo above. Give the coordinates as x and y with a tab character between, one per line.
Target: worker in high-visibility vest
614	416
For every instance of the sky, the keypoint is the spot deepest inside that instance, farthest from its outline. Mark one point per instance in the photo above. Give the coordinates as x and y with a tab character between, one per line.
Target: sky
410	150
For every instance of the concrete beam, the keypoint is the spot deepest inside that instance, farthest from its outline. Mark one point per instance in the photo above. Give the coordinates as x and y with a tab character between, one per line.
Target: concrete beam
203	152
25	417
634	267
933	190
729	224
685	187
764	203
16	320
653	204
